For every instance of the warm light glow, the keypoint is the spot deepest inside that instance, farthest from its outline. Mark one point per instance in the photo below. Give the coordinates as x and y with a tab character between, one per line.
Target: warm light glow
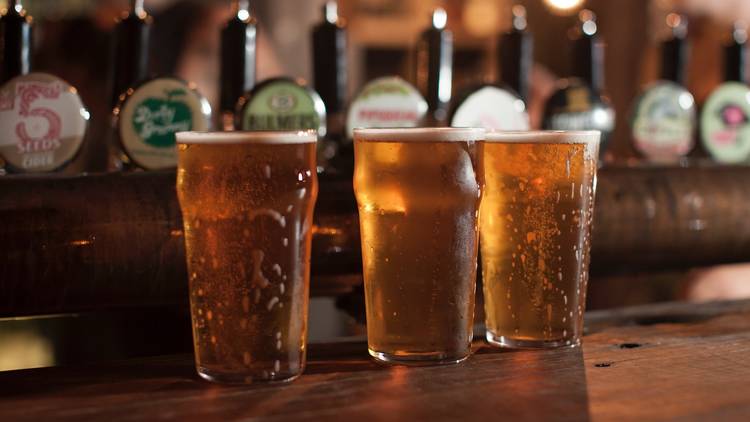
327	231
564	5
674	20
686	101
589	27
439	18
481	18
332	12
243	9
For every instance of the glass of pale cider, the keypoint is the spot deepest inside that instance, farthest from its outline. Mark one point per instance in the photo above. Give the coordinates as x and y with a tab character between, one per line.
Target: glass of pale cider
535	230
418	191
247	204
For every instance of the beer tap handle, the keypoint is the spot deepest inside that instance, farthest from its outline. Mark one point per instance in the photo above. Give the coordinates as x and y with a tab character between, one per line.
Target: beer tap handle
238	59
519	18
735	54
674	49
588	52
331	12
515	52
16	42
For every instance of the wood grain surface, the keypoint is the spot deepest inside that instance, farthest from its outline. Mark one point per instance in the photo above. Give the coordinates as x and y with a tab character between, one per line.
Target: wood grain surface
664	362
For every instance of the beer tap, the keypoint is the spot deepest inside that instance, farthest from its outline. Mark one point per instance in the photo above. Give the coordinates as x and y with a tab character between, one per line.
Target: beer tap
663	124
15	42
725	116
588	52
329	41
516	54
148	111
238	60
44	118
735	55
579	103
674	50
500	106
329	59
434	70
131	61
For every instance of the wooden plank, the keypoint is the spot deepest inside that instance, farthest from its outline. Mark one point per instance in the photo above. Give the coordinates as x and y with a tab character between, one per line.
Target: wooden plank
62	255
693	370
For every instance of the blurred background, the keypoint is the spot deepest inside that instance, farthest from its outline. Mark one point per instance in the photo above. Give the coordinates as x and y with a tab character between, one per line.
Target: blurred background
73	40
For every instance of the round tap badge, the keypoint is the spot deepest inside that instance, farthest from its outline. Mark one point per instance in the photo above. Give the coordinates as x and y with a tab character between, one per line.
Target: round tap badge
386	102
664	122
725	123
282	104
575	106
42	123
151	114
491	107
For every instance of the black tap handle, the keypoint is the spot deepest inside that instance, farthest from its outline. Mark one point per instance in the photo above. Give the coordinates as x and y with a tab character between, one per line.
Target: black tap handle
435	58
15	42
516	54
329	40
675	50
735	55
588	52
131	61
238	55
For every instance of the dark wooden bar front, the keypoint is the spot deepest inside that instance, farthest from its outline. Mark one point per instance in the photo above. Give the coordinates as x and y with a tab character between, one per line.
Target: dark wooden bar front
109	241
655	362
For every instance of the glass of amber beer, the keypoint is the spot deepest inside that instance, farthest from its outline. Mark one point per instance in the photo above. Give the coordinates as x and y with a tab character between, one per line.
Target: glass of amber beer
247	202
535	235
418	192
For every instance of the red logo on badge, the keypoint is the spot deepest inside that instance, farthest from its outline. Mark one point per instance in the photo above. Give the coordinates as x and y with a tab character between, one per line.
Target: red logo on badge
29	93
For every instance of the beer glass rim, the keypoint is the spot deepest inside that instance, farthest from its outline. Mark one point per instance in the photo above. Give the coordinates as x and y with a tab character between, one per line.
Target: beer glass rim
544	136
248	137
420	134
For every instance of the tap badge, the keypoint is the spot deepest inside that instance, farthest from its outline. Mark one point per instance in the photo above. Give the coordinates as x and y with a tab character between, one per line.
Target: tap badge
42	122
150	116
281	104
725	128
664	122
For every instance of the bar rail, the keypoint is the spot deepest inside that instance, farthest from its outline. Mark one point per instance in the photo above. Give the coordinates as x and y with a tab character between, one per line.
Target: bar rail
104	241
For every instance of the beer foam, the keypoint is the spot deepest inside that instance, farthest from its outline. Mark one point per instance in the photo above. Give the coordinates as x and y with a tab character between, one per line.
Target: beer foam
544	136
590	138
420	134
247	137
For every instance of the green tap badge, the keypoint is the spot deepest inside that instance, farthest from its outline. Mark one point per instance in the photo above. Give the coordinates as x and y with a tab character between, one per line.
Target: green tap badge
281	104
664	122
151	114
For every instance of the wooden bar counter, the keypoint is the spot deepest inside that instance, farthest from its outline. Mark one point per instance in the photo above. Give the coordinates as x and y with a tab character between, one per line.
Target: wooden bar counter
654	362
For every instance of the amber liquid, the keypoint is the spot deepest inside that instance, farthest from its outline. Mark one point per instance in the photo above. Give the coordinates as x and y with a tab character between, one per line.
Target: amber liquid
418	210
247	211
535	239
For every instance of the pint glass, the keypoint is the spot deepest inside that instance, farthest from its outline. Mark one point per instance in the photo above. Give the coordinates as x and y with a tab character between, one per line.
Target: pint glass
535	235
418	192
247	202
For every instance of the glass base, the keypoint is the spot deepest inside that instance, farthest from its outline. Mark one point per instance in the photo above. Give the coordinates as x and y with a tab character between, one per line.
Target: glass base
516	343
417	359
240	378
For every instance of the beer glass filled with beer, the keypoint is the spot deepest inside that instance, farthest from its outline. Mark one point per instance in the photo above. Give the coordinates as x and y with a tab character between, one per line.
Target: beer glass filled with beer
535	235
247	201
418	192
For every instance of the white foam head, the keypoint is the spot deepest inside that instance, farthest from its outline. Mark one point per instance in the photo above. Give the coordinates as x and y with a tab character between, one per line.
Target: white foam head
589	138
247	137
544	136
420	134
